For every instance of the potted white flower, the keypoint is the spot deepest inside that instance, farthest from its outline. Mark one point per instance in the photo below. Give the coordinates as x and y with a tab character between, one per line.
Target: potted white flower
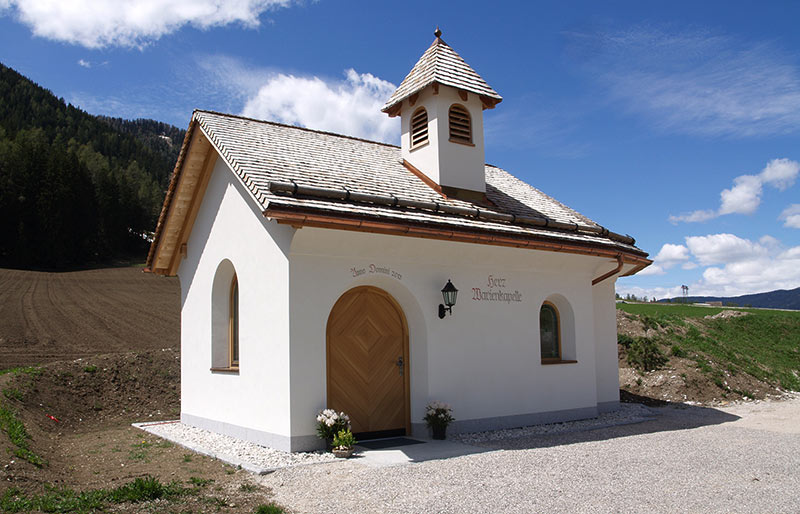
330	423
437	416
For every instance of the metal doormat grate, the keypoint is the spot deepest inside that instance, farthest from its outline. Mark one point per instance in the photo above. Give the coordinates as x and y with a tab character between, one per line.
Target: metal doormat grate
379	444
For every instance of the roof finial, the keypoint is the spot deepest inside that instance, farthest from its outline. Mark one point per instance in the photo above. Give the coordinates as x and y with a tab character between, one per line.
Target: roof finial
437	32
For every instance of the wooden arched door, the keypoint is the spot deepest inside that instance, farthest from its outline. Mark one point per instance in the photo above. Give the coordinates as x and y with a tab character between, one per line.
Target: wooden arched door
367	356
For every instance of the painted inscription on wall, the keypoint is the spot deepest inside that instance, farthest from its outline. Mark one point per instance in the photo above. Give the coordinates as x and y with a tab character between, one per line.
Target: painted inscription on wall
374	269
496	289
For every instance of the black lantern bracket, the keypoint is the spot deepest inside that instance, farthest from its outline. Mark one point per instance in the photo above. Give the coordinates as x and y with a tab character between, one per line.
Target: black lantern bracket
449	294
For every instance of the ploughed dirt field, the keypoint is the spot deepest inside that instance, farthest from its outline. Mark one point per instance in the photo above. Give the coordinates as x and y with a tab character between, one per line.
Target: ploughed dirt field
47	317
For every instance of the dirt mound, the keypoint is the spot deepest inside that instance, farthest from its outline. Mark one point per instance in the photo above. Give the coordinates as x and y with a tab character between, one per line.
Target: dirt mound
728	314
687	377
95	392
59	316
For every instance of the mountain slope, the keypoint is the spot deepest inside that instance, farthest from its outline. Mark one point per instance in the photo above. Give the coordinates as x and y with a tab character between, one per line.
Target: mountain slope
76	188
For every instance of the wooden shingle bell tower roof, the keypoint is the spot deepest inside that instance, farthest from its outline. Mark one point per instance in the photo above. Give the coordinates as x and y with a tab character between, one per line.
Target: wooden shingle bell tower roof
440	64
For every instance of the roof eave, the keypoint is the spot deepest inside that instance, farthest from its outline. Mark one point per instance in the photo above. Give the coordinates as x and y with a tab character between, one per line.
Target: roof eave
321	219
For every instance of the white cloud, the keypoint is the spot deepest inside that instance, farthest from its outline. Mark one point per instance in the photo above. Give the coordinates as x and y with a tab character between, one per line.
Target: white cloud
743	198
689	265
653	269
736	266
131	23
780	173
745	195
351	107
696	82
791	216
84	63
693	217
670	255
723	248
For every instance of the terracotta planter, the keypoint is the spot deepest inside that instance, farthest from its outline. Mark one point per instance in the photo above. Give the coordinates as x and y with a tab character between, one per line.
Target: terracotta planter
439	432
343	454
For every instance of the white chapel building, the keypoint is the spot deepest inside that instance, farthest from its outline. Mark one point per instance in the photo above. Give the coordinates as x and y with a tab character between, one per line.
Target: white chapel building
312	267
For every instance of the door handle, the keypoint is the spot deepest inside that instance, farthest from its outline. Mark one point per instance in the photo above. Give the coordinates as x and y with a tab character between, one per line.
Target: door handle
400	364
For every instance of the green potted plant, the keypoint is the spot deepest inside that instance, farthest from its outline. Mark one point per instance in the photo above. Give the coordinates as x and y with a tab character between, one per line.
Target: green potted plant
343	443
330	423
437	416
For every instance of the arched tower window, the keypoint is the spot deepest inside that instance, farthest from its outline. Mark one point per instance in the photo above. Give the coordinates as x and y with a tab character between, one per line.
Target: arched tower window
550	332
419	128
233	324
460	124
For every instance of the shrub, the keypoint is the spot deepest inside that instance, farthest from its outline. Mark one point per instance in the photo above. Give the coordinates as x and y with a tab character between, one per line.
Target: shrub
645	355
624	340
677	351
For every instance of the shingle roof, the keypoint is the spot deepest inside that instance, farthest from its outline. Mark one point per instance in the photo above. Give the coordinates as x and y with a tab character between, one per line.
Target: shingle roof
291	167
440	63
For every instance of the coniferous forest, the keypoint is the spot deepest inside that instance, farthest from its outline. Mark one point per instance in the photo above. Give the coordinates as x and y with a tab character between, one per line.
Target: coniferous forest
75	189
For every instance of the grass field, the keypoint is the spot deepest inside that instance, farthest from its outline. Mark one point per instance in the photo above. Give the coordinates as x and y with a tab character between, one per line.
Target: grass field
764	344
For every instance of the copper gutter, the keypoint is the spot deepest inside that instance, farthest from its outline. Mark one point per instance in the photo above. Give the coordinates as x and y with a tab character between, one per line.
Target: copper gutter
295	189
614	271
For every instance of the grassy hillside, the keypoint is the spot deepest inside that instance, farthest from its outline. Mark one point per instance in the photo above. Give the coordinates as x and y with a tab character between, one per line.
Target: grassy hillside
754	348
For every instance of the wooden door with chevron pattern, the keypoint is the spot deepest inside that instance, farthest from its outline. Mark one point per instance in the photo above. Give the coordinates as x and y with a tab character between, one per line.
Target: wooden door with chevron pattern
367	347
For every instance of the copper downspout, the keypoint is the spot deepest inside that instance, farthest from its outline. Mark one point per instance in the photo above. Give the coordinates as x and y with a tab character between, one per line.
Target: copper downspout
610	273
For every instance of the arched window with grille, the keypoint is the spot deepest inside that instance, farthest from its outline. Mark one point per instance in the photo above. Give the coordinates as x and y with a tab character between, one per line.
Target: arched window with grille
419	128
460	124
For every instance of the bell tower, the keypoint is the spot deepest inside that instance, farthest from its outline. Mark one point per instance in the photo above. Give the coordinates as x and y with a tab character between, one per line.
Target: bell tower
440	104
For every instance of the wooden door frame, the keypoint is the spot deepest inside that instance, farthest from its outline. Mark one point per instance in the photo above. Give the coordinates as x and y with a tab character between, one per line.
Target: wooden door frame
406	365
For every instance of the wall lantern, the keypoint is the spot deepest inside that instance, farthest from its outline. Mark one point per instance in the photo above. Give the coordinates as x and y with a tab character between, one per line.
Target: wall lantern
449	293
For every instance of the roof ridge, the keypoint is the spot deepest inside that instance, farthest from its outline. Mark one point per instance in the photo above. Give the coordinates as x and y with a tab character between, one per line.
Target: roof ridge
286	125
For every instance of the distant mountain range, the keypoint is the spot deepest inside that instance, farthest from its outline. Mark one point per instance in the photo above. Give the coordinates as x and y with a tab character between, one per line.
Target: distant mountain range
780	299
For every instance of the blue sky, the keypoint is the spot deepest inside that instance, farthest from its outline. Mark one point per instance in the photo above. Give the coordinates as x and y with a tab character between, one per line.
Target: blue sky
675	122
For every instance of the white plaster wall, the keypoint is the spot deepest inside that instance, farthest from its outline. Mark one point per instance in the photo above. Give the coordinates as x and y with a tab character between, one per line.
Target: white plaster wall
425	157
230	226
484	359
605	328
446	163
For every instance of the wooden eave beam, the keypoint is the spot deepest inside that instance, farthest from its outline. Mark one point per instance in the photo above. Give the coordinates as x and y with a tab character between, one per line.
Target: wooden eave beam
332	221
183	202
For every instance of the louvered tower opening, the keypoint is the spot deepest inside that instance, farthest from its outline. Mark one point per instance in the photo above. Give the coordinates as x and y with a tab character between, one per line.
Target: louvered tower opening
419	127
460	124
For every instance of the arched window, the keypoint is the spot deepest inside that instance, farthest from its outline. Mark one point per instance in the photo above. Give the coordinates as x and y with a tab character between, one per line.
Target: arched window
419	128
550	332
233	325
460	124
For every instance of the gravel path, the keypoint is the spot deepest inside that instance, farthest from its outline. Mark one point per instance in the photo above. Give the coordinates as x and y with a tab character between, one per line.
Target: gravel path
743	458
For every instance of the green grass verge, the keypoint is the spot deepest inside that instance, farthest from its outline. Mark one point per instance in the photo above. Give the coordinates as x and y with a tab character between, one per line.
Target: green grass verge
764	344
66	500
18	435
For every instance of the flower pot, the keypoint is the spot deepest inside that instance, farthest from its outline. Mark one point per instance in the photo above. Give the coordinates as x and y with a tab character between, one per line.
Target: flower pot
439	432
345	453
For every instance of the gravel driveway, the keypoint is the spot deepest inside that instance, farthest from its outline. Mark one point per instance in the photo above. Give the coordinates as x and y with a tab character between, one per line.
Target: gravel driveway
743	458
